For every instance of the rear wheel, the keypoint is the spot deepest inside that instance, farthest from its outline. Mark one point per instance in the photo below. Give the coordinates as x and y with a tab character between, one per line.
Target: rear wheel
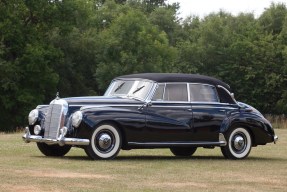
239	144
53	150
183	151
105	142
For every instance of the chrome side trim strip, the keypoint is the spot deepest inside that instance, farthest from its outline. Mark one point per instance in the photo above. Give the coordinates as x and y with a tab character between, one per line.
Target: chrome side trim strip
177	144
101	106
221	142
61	140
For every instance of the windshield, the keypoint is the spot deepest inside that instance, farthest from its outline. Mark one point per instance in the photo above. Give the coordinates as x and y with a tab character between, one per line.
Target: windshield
138	89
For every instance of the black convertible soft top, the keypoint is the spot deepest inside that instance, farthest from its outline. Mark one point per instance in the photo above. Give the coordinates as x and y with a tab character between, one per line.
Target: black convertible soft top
177	77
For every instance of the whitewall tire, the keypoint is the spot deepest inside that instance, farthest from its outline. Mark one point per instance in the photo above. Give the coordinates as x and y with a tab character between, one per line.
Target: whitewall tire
239	144
105	142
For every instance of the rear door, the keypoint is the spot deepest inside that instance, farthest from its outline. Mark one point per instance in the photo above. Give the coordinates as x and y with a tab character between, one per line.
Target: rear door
208	112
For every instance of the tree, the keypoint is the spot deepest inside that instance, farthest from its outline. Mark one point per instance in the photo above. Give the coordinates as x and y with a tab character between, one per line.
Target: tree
238	51
272	19
27	74
132	45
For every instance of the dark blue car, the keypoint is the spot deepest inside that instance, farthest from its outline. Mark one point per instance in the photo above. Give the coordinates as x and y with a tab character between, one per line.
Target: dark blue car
151	110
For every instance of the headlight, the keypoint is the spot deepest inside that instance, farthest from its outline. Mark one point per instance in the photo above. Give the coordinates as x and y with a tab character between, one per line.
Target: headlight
77	119
33	116
37	129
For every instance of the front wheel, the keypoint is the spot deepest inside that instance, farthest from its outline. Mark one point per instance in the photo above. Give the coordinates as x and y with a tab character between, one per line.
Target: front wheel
105	142
183	151
239	144
53	150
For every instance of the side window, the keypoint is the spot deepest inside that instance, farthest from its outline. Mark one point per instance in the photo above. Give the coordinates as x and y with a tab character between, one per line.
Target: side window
175	92
158	95
205	93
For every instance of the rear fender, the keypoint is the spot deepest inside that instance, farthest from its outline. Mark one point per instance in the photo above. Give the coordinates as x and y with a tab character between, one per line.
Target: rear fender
259	128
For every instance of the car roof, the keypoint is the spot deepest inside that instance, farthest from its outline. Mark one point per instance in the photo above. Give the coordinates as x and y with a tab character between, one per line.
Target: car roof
176	77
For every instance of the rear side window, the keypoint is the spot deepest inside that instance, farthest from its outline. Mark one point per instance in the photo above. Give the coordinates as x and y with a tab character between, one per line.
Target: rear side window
175	92
204	93
171	92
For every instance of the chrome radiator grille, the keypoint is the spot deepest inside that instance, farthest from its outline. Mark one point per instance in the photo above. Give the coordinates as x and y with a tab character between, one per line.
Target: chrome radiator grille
53	121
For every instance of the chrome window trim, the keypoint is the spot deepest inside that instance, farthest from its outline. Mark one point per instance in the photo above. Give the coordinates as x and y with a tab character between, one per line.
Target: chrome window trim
155	85
188	92
163	91
175	102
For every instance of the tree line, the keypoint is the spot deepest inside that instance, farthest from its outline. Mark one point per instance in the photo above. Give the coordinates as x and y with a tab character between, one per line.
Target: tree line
77	47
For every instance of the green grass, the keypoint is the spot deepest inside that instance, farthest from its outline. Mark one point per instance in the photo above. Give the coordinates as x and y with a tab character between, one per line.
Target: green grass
24	168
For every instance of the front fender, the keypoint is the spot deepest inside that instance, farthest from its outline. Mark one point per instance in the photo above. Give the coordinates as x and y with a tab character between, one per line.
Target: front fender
129	119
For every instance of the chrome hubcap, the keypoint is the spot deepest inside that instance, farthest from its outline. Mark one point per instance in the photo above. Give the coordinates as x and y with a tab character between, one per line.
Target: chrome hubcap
239	143
104	141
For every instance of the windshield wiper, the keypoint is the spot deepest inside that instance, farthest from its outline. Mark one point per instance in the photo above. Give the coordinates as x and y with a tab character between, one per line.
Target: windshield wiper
138	89
132	97
119	87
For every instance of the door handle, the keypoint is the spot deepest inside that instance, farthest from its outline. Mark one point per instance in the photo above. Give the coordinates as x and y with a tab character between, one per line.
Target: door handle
189	109
222	110
148	104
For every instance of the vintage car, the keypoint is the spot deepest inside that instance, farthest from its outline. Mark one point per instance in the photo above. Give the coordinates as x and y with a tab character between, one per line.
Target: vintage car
151	110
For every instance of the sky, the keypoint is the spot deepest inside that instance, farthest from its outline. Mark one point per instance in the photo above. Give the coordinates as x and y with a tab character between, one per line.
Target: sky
202	8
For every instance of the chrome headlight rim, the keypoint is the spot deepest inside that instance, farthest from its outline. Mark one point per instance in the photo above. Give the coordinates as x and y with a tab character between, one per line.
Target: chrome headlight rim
33	116
37	130
77	118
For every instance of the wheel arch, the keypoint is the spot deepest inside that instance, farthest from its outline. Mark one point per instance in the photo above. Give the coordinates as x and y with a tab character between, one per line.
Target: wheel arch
117	125
245	126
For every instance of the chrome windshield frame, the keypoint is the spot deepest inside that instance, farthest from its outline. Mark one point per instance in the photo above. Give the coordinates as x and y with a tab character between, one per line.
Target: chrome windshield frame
145	98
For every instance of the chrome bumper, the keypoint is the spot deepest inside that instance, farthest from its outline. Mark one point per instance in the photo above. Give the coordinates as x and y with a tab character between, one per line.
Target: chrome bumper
61	140
275	139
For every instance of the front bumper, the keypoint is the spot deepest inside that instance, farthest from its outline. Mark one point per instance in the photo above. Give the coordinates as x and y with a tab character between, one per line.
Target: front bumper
61	140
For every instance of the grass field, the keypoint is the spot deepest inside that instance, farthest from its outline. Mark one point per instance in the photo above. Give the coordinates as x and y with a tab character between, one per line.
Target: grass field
24	168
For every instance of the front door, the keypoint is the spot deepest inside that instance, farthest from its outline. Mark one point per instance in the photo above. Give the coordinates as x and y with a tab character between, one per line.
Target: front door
169	115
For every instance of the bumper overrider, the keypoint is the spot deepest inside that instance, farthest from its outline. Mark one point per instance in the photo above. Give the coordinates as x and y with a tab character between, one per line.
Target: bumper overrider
275	138
61	140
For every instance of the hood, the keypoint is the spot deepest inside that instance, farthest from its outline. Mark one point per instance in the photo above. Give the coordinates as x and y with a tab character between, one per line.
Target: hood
82	101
